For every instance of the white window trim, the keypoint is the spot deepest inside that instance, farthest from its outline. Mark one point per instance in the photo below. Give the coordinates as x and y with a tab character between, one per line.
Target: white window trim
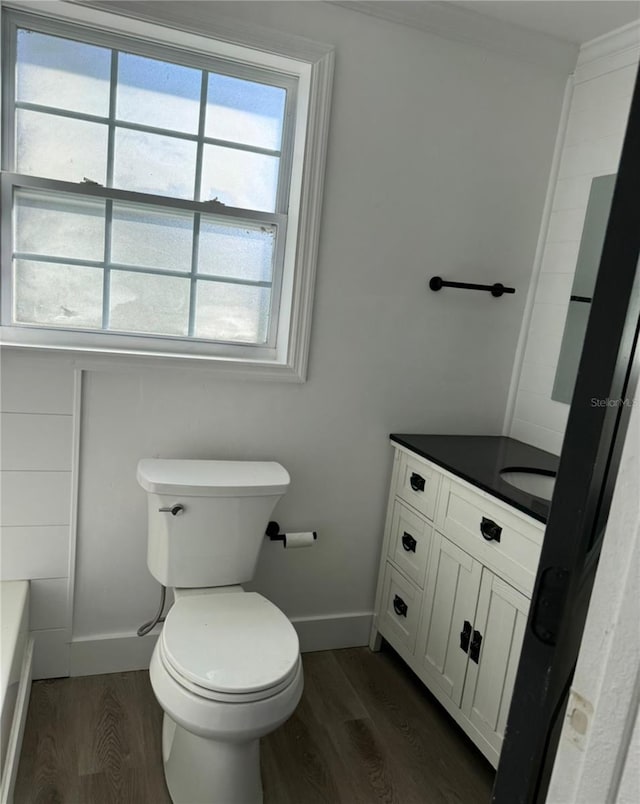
313	64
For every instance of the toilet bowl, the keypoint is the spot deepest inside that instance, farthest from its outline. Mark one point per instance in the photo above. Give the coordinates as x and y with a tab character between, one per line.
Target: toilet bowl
226	670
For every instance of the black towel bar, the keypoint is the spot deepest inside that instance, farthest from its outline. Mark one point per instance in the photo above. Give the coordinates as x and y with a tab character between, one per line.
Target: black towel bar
497	289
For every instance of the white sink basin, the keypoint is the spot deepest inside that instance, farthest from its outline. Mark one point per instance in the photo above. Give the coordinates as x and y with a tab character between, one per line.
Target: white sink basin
533	481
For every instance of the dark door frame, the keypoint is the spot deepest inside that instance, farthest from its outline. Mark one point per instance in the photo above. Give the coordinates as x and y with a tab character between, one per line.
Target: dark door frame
587	473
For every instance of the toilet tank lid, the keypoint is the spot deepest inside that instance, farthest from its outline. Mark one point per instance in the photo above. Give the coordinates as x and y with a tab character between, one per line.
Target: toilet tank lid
198	478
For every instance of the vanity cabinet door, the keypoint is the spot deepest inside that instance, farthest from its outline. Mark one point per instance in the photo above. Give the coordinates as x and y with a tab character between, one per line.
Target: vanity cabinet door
451	594
498	632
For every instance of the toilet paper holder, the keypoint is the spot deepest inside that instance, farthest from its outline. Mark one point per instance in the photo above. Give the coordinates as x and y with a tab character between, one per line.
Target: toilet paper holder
274	534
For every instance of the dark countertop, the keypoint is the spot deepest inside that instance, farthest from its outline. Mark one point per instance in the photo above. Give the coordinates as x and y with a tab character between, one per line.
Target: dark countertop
479	459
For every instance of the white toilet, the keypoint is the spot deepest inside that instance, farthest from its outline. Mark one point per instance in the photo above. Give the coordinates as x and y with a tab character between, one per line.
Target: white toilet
226	669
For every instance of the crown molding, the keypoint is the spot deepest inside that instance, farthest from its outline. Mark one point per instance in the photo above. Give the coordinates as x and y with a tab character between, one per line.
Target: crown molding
448	20
613	51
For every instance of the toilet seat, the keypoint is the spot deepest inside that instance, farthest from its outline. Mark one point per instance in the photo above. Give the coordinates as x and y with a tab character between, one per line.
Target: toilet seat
231	647
221	697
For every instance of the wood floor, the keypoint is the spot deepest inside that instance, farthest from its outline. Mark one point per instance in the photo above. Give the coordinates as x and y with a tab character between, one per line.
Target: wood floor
366	731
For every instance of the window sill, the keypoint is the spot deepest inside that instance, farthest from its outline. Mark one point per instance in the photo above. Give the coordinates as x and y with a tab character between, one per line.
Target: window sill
111	358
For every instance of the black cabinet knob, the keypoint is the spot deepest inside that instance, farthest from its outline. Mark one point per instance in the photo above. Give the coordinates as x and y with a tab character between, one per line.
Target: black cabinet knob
399	606
409	543
490	530
465	636
417	482
474	650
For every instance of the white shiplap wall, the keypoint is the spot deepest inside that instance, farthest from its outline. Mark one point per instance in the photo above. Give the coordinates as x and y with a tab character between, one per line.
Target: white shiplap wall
39	403
599	106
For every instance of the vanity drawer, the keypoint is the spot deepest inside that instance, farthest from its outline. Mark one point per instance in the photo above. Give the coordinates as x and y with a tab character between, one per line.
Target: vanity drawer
418	484
506	543
410	542
400	610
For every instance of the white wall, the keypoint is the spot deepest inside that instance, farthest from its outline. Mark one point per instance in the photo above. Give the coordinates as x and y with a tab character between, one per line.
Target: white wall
38	403
599	107
438	162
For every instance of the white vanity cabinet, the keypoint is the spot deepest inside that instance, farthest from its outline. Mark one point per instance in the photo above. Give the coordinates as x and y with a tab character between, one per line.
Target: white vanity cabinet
456	575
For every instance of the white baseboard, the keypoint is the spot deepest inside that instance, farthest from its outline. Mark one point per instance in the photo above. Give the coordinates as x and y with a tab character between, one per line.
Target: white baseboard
333	632
111	654
121	652
50	653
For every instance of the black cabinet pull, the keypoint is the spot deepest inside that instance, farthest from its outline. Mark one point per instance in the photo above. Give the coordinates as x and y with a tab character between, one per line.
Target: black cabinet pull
474	650
409	543
465	636
490	530
399	606
417	482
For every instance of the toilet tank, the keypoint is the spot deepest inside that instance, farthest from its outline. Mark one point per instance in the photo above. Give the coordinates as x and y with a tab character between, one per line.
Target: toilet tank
206	519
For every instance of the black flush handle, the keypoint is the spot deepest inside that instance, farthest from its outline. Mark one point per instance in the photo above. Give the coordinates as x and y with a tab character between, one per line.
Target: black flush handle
399	606
490	530
417	482
409	543
465	636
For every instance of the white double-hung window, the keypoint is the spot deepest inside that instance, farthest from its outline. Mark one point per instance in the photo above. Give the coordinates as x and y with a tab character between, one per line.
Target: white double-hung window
160	191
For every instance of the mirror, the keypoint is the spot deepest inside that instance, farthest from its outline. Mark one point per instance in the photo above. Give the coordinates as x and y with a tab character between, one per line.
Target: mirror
595	226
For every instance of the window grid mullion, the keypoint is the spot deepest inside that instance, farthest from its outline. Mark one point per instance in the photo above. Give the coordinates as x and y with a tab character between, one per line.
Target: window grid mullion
106	271
140	269
200	145
108	223
55	111
195	247
35	257
111	141
194	270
